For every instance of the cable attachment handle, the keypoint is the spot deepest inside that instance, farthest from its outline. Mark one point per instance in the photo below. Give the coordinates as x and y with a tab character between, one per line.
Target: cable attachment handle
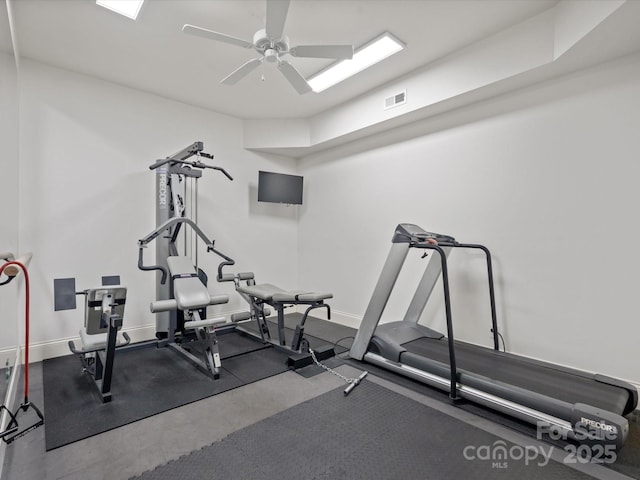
353	382
12	431
12	426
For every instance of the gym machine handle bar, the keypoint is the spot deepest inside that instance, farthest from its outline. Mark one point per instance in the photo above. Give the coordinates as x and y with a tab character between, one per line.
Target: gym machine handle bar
196	164
227	263
181	157
142	243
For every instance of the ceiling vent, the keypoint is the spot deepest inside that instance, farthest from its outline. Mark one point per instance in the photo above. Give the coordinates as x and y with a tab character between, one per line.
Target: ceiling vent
395	100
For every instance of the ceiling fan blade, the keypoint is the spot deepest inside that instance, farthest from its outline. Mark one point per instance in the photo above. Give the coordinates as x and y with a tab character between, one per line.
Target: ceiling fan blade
242	71
293	76
341	52
221	37
276	16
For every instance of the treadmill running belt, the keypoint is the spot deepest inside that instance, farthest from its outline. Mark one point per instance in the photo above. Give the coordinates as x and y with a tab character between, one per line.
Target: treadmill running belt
513	370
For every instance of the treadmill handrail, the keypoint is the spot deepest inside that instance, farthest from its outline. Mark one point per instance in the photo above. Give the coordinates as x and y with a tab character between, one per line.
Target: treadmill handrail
492	297
453	390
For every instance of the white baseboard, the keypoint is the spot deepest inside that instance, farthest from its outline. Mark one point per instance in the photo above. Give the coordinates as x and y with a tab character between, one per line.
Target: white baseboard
7	354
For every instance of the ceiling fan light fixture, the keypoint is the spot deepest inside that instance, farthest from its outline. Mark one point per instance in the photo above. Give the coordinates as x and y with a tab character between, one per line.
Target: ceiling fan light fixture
270	55
128	8
372	52
271	43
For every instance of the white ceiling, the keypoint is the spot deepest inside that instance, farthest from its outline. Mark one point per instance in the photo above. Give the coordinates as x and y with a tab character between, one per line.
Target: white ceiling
152	53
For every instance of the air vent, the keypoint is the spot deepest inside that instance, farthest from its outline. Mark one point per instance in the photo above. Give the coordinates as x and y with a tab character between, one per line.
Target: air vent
395	100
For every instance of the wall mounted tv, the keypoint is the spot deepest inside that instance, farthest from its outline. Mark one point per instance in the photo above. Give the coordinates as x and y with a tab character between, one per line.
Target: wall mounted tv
279	188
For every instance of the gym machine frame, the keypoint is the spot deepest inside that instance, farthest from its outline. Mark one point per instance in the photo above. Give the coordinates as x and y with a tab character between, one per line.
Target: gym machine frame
171	175
171	194
443	245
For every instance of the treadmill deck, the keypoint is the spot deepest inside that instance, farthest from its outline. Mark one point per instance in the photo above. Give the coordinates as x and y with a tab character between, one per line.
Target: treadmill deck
545	379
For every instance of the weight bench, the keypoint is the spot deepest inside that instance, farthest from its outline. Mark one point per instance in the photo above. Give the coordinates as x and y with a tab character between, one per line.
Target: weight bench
258	296
191	295
101	336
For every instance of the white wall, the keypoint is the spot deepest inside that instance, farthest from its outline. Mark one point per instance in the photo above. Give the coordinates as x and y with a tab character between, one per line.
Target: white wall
10	294
87	195
541	176
547	178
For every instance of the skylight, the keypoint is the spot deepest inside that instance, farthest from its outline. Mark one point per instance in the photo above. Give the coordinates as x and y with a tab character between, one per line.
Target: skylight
128	8
364	57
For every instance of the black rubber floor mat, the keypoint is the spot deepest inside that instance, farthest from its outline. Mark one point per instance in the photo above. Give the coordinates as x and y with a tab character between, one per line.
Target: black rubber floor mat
627	460
146	382
373	433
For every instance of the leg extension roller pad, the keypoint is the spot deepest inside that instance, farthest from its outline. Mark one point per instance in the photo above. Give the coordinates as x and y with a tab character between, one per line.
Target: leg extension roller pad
300	360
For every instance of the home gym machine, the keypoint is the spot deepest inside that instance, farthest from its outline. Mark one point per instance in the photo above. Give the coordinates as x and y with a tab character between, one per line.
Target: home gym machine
181	289
182	296
568	403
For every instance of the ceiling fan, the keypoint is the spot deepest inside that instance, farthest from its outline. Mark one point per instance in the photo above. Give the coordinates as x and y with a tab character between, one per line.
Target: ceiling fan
271	44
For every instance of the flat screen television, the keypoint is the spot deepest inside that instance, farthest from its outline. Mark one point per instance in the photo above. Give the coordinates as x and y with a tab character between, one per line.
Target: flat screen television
279	188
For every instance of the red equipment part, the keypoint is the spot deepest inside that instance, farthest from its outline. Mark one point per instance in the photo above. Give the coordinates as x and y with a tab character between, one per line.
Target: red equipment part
13	430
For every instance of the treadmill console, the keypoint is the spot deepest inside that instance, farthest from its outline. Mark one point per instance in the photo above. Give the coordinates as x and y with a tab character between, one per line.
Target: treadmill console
410	233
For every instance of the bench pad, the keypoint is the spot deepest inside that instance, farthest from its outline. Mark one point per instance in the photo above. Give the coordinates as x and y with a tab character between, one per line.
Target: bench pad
189	291
270	293
98	341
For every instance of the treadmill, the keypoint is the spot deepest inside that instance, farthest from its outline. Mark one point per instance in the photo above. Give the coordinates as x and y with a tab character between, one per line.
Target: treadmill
562	402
